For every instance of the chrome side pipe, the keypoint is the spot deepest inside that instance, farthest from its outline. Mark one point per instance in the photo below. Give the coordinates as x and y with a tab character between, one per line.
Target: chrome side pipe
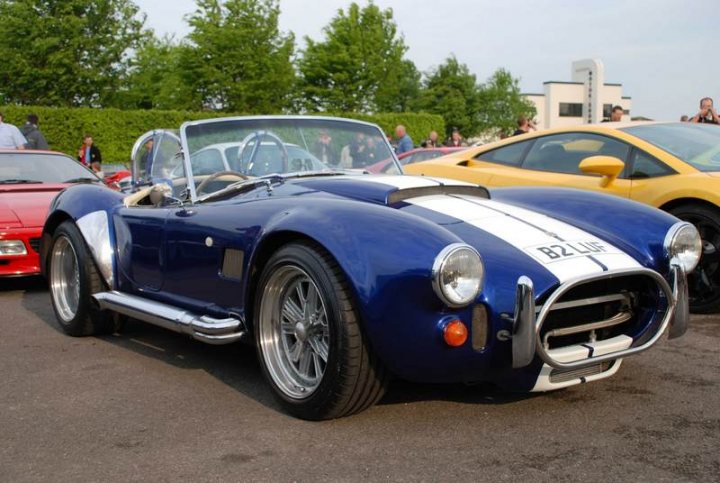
203	328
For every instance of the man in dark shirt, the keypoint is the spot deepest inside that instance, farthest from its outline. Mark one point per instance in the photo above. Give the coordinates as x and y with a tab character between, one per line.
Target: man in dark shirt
707	113
35	139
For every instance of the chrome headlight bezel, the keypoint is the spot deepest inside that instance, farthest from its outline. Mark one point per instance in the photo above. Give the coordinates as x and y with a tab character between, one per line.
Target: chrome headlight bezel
686	255
438	271
17	245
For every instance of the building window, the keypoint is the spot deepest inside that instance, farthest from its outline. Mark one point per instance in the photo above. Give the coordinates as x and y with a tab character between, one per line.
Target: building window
607	110
570	109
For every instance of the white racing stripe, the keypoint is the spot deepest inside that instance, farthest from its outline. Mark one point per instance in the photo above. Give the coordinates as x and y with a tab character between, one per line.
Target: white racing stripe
564	250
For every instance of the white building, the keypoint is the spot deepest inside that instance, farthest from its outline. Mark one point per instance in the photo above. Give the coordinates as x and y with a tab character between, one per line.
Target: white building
586	99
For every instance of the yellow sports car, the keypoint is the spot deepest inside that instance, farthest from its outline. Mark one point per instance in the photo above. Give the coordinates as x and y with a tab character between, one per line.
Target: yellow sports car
672	166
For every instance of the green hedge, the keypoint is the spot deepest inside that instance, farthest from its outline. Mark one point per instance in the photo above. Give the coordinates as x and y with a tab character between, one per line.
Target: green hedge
115	131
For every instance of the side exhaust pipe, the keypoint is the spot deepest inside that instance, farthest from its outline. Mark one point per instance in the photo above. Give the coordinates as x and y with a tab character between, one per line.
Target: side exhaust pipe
203	328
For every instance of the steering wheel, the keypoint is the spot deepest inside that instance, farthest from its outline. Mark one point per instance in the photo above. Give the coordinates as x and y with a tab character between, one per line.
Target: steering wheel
258	137
215	176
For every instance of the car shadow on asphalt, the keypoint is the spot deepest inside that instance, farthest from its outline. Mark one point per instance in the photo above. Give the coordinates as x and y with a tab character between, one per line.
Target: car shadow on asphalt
237	366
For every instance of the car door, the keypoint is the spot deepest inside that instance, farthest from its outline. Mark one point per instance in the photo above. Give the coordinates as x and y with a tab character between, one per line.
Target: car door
140	232
554	160
650	178
207	248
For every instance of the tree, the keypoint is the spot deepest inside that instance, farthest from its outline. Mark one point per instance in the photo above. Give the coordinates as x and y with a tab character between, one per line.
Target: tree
359	66
501	104
238	60
452	91
157	80
66	52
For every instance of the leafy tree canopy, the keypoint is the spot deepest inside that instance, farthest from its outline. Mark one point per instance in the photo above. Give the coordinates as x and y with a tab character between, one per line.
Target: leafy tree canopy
359	66
238	60
501	104
66	52
452	91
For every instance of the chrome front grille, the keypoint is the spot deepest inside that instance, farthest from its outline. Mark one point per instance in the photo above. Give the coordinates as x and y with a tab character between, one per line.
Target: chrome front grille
600	309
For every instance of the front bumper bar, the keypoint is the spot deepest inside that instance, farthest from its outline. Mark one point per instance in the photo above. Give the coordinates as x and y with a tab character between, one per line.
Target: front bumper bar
526	341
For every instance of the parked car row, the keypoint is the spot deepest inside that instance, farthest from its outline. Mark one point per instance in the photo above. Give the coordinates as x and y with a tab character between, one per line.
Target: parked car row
343	279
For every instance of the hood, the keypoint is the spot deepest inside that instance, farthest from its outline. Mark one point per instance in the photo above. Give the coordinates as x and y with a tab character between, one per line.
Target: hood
714	174
512	239
23	206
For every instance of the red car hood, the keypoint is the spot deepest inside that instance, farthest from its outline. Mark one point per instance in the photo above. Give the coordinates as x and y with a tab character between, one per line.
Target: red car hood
26	206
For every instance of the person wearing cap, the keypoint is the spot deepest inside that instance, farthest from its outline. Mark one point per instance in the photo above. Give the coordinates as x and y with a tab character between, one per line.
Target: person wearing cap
10	136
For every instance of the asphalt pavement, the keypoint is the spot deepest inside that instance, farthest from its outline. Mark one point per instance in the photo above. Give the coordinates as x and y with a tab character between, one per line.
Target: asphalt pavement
151	405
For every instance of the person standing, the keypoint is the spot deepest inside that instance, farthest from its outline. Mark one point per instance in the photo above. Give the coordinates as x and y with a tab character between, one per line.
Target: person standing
707	113
405	142
10	136
89	154
432	141
524	126
35	138
455	140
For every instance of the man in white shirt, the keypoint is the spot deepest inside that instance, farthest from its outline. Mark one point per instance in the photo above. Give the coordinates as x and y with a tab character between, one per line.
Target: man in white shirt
10	136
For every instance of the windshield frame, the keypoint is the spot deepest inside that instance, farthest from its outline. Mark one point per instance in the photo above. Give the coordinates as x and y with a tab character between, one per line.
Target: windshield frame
191	188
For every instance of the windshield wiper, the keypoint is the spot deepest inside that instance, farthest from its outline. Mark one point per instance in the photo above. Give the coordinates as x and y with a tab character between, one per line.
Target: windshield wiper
20	181
81	180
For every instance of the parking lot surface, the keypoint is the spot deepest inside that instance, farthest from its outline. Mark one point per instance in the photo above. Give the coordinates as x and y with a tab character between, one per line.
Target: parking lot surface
151	405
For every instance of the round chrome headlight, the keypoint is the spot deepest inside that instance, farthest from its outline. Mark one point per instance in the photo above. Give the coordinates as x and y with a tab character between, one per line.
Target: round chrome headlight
458	274
683	245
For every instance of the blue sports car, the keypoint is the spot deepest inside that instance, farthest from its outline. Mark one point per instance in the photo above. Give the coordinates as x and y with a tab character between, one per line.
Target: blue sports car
248	229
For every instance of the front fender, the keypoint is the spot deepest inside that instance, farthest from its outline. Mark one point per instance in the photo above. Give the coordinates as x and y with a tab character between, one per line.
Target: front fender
387	258
89	207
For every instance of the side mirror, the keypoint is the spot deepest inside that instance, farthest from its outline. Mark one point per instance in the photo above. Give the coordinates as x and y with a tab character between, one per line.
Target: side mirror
609	167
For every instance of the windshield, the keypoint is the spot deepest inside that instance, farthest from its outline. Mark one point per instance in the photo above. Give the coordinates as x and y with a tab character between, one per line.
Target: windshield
696	144
256	147
19	167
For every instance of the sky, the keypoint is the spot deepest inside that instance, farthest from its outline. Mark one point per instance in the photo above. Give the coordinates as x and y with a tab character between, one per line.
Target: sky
665	53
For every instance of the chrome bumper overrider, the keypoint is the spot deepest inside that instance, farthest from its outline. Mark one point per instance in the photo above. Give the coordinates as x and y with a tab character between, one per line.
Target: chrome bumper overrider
526	339
203	328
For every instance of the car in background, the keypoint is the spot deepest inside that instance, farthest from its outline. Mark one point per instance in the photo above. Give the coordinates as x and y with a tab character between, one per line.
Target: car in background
343	279
29	180
114	174
671	166
424	154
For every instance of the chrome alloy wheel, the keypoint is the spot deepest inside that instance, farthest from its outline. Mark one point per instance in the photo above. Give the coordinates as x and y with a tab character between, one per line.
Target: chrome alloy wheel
294	332
65	278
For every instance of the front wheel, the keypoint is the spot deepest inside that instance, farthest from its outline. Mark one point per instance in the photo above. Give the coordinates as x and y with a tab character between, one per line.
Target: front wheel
704	281
311	347
73	278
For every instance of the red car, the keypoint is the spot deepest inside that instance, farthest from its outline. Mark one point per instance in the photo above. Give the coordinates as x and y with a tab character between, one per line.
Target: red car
423	154
413	156
29	180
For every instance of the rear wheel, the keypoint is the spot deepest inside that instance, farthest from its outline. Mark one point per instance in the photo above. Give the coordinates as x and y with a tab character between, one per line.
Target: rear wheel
704	281
311	347
73	278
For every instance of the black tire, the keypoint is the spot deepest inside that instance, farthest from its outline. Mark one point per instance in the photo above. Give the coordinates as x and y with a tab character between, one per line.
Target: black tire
353	377
704	281
85	318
